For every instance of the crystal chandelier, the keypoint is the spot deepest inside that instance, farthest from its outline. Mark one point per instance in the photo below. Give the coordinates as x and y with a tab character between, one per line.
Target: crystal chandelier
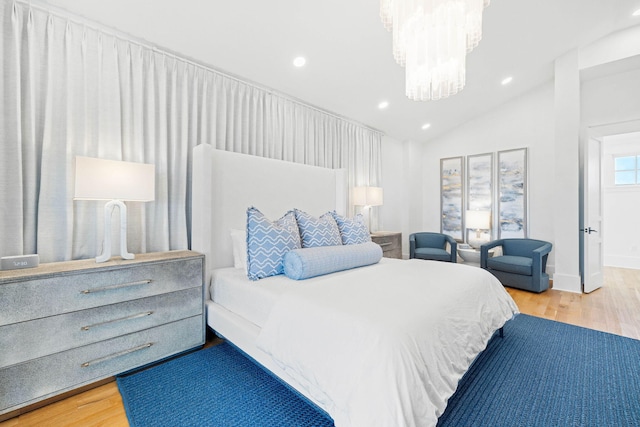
431	39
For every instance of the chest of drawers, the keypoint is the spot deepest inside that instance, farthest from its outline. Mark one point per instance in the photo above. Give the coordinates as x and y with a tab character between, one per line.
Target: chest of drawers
65	325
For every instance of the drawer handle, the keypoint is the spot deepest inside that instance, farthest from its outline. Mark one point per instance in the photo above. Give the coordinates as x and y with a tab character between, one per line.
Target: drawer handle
116	355
121	319
122	285
386	244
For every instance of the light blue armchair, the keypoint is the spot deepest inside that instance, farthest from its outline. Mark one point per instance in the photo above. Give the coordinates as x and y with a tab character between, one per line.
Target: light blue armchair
522	264
433	246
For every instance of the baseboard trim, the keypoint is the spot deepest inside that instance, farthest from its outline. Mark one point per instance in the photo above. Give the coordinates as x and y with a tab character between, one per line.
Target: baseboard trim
622	261
567	283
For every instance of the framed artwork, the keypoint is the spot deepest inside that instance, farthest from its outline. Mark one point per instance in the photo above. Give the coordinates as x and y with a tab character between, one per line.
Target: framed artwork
480	186
512	193
451	201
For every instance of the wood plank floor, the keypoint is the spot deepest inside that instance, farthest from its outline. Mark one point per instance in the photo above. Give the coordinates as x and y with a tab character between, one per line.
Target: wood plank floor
614	308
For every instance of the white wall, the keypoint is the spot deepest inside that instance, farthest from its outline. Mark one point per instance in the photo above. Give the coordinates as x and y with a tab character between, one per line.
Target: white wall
565	191
525	122
621	206
611	99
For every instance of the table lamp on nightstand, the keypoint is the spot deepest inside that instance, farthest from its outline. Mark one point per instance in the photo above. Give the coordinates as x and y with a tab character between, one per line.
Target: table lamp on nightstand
478	221
367	197
117	182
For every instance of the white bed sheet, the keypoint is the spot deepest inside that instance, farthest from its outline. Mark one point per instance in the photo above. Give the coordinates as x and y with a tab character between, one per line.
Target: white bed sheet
231	288
252	300
385	345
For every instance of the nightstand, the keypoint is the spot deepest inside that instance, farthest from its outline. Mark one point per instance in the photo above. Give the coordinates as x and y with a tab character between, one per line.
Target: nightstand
390	241
65	325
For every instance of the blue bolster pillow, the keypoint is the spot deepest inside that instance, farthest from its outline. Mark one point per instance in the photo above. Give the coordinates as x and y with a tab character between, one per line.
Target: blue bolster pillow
310	262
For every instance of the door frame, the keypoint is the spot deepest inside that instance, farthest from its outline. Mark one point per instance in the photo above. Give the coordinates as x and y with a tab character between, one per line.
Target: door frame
597	132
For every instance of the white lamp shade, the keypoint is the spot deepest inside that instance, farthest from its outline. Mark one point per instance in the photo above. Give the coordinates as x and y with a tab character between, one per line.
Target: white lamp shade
478	220
99	179
367	196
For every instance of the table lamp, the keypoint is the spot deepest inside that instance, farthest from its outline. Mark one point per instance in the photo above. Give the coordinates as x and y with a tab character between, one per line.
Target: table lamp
478	221
367	197
117	182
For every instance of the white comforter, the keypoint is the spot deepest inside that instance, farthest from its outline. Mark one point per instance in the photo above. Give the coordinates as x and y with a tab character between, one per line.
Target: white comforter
386	345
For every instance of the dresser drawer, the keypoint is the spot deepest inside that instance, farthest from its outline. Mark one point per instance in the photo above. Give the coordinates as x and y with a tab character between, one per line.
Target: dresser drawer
387	242
29	340
73	291
37	379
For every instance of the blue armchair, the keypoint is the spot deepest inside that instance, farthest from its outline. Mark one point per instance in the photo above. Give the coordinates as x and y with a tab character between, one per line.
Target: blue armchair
522	264
433	246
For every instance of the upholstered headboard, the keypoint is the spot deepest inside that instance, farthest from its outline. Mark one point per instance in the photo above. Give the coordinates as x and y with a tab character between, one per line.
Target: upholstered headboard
225	184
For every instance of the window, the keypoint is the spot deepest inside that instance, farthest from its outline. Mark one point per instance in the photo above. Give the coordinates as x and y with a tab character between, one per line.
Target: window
627	170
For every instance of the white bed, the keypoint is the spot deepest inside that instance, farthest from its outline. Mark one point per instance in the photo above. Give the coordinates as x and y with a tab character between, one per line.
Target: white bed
382	345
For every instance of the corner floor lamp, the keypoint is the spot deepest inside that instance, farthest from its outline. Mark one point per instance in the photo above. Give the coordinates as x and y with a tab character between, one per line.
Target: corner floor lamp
117	182
367	197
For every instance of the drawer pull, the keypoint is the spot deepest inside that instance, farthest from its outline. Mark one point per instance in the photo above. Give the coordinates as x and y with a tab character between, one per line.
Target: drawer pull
385	244
122	285
121	319
116	355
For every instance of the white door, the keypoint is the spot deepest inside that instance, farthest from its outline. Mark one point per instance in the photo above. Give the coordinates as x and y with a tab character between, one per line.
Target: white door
592	205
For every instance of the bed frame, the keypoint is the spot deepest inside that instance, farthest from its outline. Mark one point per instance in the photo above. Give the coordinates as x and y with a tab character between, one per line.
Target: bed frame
225	184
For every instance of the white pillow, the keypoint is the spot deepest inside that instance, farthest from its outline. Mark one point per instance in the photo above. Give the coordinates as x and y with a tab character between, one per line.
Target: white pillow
239	242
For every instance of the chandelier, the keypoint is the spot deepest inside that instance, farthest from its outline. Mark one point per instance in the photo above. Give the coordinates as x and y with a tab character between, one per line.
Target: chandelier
431	39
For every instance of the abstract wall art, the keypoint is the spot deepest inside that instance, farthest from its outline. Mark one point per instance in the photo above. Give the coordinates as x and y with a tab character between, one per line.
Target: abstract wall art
512	193
451	197
480	184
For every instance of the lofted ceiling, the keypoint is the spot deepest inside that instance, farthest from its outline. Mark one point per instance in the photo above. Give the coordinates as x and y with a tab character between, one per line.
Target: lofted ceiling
350	67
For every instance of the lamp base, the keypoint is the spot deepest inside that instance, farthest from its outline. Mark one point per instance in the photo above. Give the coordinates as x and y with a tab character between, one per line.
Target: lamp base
106	249
476	243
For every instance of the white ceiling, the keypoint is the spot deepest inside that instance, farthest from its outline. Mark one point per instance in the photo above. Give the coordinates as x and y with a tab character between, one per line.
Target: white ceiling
350	68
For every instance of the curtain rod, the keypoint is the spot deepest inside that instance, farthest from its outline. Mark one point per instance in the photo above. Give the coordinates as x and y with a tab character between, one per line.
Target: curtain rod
126	37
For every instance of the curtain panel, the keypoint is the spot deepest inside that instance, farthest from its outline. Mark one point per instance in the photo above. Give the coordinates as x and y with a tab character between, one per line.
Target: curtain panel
69	89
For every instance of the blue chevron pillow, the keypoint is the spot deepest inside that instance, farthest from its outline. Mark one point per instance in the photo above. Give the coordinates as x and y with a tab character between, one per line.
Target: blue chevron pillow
268	242
353	230
316	232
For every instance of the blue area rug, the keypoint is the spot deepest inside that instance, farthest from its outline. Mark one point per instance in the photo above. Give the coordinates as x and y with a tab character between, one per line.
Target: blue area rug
542	373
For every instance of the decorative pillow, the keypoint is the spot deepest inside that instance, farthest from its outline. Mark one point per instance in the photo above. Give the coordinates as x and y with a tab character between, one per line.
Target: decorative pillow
267	242
354	230
310	262
314	231
239	243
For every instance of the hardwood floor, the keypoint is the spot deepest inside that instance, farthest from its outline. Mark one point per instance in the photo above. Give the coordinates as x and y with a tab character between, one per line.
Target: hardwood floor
615	308
101	406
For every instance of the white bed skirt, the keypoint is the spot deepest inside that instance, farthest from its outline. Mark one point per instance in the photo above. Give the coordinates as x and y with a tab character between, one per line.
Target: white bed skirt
243	335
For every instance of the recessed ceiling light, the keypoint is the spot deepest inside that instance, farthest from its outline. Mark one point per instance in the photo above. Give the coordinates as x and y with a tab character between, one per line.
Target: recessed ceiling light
383	105
636	13
426	126
299	61
507	80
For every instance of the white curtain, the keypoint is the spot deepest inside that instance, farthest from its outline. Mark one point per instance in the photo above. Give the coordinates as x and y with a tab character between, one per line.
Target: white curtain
69	89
